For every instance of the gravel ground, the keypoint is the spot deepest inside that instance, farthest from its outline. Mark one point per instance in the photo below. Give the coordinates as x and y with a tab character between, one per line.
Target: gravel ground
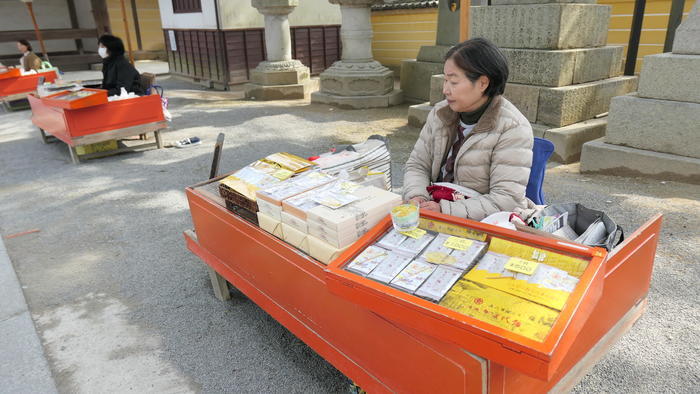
119	301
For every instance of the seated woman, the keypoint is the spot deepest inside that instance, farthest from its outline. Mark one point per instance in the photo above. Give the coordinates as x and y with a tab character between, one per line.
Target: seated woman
117	72
475	139
29	60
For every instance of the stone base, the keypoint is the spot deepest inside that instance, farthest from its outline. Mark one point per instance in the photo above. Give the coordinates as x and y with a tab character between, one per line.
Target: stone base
602	158
671	77
563	67
542	26
569	140
279	92
568	104
358	102
291	72
357	79
415	79
418	114
686	39
659	125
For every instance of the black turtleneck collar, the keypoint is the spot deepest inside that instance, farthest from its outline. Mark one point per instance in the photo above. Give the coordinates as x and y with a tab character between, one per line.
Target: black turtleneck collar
473	117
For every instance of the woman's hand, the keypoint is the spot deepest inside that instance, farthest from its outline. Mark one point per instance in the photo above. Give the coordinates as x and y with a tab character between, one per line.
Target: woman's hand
430	206
417	201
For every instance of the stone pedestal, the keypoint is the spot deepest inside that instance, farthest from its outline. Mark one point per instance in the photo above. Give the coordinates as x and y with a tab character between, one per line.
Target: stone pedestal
562	76
357	80
656	133
415	74
280	77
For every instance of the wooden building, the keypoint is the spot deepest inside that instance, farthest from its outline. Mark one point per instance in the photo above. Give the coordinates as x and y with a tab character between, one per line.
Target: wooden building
218	42
70	29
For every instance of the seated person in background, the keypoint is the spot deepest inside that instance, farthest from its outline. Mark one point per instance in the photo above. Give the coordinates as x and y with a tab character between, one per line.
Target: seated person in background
117	72
475	138
29	60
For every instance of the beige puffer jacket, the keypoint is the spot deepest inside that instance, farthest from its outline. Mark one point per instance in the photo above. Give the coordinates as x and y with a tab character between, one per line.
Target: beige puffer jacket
495	159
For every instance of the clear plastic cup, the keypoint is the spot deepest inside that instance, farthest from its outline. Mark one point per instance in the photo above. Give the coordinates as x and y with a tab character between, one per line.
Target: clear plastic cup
405	217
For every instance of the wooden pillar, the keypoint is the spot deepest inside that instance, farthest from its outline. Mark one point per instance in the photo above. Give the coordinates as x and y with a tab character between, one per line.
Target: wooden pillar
464	20
101	15
74	24
137	28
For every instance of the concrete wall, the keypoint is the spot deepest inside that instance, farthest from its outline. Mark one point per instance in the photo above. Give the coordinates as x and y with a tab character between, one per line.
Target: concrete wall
199	20
149	23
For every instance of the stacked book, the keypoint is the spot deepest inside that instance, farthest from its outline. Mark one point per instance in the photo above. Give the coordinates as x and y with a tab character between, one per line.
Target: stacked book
372	154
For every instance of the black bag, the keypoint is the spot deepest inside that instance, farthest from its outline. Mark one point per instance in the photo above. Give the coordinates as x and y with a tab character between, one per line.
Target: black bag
580	218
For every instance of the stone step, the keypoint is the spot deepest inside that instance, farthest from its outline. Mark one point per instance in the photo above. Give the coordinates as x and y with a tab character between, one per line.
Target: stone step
602	158
436	85
669	76
415	79
569	140
686	39
659	125
563	67
418	114
542	26
562	106
359	102
432	53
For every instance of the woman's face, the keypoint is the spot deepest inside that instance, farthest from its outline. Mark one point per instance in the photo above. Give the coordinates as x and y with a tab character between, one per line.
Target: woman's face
462	94
21	47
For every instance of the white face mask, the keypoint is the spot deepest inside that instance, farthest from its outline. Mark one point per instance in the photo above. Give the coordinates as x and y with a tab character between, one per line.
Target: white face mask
102	51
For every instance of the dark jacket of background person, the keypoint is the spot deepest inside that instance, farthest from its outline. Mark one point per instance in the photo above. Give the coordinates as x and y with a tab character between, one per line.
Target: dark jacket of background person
118	73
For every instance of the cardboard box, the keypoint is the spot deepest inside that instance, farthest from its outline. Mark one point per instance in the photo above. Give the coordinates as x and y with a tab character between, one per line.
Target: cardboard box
269	224
272	210
295	238
275	194
377	202
323	251
340	239
103	146
293	221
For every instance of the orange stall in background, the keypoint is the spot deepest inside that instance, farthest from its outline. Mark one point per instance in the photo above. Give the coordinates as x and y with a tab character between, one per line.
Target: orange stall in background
13	82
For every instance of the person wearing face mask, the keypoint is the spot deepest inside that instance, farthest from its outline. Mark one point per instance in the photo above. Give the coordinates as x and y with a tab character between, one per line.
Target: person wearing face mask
474	139
29	60
117	72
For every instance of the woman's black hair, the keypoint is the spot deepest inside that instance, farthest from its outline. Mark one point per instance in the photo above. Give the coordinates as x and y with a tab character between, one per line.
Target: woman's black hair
26	44
479	56
114	45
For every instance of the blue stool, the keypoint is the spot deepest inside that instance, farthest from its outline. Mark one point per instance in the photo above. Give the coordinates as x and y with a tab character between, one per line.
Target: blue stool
542	149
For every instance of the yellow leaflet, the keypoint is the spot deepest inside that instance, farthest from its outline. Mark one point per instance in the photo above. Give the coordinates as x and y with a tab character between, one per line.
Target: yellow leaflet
440	258
521	288
574	266
500	309
415	233
522	266
282	174
452	229
457	243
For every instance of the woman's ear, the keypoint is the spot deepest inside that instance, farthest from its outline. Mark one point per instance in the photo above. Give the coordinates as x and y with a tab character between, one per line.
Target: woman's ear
483	83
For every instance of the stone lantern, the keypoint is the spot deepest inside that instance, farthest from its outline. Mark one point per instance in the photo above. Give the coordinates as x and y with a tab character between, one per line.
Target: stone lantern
279	77
357	80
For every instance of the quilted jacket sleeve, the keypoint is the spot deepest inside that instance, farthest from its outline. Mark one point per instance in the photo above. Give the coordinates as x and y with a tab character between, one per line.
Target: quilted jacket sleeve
511	160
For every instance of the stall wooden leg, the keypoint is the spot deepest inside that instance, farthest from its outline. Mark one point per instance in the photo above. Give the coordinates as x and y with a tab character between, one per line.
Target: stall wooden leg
159	139
44	138
73	155
219	284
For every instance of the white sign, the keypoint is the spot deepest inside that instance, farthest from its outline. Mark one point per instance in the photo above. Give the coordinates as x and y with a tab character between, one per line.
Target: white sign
171	37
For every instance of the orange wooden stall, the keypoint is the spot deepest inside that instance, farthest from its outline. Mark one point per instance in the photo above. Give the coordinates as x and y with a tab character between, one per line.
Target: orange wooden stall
13	82
92	119
389	341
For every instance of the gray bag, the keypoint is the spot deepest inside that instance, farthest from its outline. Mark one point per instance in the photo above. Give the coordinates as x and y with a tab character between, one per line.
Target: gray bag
580	218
